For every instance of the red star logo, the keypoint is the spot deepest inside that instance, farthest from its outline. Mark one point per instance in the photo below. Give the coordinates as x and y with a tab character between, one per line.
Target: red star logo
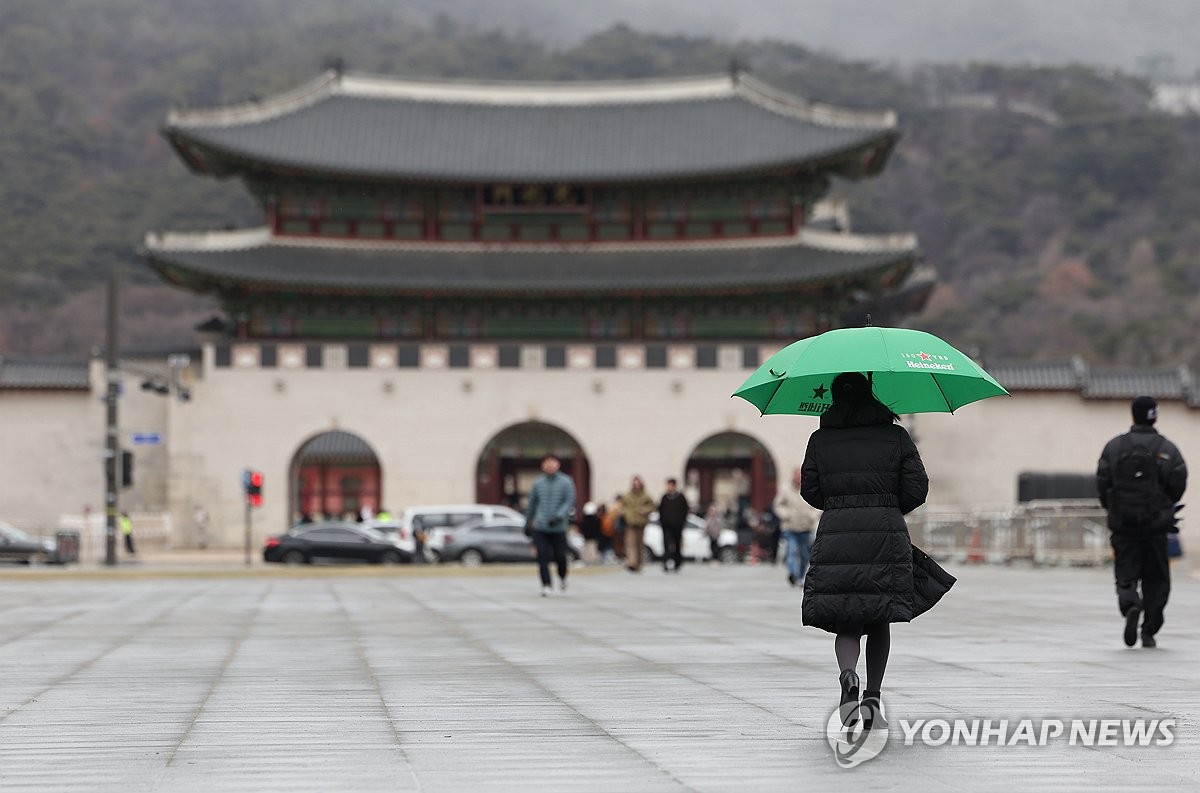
924	356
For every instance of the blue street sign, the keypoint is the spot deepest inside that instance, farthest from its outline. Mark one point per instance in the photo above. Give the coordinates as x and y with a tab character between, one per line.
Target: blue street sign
146	439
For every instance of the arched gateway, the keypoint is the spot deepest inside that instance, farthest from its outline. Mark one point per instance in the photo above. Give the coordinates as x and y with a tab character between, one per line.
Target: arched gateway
733	470
510	463
334	474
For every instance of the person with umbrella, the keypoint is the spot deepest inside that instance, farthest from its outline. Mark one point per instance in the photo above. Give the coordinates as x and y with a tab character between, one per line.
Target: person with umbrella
863	470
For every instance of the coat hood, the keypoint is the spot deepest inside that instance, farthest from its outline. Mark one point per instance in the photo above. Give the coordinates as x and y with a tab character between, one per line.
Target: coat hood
843	416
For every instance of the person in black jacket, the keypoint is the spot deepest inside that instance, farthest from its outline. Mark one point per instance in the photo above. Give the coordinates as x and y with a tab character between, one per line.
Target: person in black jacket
672	517
863	470
1140	477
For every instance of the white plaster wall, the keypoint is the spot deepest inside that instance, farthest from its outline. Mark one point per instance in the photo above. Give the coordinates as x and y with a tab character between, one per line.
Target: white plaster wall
52	451
429	426
50	457
430	429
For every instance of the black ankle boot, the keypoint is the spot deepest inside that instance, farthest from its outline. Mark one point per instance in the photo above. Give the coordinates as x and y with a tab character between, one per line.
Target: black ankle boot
872	712
849	681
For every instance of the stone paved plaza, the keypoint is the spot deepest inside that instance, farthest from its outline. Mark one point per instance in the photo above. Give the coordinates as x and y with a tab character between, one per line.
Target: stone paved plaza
454	680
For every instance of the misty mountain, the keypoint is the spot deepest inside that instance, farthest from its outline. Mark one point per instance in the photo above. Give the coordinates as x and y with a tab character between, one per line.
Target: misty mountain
1061	213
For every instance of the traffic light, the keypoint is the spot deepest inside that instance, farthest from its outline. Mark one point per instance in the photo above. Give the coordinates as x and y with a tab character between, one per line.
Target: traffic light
254	488
126	468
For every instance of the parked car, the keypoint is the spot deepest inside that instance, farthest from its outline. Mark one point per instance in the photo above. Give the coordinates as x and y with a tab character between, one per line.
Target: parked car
17	546
497	540
334	541
434	521
394	530
696	545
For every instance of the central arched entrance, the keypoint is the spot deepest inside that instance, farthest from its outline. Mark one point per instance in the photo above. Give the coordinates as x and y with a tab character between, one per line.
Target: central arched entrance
335	475
734	471
511	462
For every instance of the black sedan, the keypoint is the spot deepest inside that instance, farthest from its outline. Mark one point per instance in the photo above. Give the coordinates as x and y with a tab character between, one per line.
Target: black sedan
17	546
334	542
493	541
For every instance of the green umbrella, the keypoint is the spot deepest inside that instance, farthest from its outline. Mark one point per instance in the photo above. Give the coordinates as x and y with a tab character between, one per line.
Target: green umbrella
911	372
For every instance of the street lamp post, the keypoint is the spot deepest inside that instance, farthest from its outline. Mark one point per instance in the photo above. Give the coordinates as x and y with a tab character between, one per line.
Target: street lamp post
112	377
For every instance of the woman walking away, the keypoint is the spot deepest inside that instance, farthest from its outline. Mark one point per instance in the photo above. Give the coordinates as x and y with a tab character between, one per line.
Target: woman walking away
864	471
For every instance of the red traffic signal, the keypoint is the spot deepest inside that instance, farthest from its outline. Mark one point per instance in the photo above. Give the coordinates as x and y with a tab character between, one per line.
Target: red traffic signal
254	488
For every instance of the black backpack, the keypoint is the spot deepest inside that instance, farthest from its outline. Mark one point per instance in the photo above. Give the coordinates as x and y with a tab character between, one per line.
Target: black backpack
1136	493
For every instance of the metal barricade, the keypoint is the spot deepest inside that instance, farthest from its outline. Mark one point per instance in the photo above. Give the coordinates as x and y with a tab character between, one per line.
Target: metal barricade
67	545
1042	533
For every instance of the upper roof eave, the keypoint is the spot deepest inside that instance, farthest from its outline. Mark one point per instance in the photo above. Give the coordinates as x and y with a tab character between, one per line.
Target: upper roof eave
254	259
841	162
446	131
531	94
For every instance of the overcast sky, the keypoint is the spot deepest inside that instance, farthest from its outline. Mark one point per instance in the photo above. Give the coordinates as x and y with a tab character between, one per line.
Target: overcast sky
1116	33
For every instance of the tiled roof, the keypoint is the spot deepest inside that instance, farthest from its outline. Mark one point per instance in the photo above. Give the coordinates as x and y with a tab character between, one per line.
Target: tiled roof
1038	375
361	125
43	375
1129	383
256	258
1095	382
336	447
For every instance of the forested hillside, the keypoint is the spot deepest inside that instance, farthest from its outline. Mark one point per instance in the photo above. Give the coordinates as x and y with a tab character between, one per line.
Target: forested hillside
1061	215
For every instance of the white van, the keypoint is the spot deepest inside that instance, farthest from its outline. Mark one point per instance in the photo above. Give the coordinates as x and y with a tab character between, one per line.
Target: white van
434	521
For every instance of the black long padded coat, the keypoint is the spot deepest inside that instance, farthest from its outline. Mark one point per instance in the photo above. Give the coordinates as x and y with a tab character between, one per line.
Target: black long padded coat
864	471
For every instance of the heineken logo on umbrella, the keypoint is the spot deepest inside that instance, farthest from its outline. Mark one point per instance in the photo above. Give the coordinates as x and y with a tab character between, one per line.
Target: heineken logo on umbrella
928	361
930	376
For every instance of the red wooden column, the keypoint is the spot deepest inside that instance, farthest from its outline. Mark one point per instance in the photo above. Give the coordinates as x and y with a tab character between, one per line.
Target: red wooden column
579	476
758	488
706	484
491	491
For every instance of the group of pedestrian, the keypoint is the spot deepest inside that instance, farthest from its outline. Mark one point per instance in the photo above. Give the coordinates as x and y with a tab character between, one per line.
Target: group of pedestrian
636	507
549	510
848	548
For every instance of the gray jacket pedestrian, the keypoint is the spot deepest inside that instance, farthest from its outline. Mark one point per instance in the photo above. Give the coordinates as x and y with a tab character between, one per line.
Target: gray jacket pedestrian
551	503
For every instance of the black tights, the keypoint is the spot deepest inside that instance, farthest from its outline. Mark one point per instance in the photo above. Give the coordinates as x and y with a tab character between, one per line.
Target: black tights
879	644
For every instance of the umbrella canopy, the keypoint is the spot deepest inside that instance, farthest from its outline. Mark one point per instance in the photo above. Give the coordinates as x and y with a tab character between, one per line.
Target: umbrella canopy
911	372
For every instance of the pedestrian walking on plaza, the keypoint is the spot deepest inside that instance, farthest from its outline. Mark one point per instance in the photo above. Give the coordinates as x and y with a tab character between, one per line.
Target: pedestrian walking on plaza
672	517
714	523
1140	477
127	530
419	536
864	471
797	519
547	517
636	508
589	527
609	516
200	522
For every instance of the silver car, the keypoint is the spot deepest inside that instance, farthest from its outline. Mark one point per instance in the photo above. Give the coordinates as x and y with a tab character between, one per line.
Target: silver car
496	540
17	546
